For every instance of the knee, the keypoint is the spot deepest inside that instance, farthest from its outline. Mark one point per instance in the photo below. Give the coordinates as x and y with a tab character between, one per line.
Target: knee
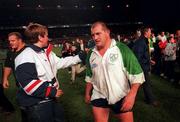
126	117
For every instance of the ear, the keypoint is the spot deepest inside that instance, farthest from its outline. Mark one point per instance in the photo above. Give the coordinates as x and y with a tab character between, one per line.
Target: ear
40	38
107	31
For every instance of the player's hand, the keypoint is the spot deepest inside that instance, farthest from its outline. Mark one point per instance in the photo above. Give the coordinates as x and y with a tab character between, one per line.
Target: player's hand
82	56
5	84
59	93
87	99
152	62
128	103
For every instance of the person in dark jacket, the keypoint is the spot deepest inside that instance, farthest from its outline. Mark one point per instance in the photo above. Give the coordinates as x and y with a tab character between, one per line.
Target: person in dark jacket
16	44
142	52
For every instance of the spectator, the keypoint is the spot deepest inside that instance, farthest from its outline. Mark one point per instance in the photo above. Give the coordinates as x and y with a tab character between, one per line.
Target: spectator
17	45
141	50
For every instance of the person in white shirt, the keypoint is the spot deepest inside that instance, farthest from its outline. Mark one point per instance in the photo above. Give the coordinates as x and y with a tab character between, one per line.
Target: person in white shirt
113	76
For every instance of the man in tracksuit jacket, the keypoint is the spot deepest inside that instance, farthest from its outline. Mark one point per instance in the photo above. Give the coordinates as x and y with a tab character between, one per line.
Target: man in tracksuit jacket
35	69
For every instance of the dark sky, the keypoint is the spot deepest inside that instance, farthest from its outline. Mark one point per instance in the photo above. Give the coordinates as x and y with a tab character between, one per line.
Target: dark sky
152	12
160	10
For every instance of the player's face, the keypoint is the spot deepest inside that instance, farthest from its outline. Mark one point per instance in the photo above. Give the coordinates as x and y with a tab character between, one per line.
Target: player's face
99	35
14	42
44	40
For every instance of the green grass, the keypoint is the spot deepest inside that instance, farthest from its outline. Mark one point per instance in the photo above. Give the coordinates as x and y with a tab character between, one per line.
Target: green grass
77	111
57	50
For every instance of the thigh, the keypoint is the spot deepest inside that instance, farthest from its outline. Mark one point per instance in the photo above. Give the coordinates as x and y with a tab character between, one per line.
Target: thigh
116	108
58	113
29	115
73	68
100	110
39	113
100	114
45	110
125	117
147	77
77	67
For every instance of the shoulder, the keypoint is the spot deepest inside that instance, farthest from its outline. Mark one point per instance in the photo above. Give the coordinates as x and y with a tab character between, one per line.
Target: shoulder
25	56
123	47
27	51
9	54
139	43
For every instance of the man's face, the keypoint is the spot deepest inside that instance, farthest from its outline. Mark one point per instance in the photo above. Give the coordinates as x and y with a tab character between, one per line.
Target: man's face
99	35
44	40
14	41
162	33
149	33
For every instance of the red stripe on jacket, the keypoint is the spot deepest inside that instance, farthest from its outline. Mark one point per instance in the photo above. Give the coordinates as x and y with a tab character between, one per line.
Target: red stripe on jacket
32	85
48	90
48	50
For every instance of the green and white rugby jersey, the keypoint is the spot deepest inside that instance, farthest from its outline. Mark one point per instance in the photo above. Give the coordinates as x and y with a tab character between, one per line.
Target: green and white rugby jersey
112	74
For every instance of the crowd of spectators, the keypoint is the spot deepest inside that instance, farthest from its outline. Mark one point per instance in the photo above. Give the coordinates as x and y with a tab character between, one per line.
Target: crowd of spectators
164	49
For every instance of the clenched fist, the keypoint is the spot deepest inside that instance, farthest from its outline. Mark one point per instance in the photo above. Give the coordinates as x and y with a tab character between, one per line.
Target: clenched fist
59	93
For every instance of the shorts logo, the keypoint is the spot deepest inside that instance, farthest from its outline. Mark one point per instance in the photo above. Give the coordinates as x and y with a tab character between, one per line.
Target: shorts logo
113	57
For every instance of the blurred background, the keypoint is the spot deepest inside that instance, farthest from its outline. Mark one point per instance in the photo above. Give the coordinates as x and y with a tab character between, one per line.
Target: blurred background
66	17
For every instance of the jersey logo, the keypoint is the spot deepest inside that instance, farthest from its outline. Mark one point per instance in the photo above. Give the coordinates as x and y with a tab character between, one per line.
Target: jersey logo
113	57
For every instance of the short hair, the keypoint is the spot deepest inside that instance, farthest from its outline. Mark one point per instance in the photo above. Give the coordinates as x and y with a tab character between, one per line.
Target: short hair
103	24
17	34
33	31
145	29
